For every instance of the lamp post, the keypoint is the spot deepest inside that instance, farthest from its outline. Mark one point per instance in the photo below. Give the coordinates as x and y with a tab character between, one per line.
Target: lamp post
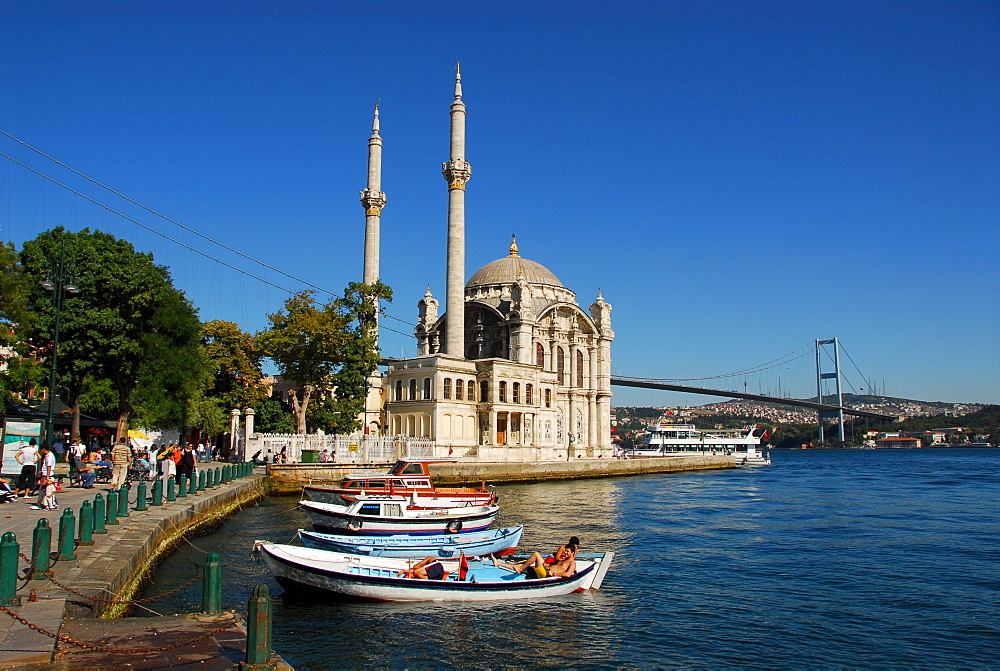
58	284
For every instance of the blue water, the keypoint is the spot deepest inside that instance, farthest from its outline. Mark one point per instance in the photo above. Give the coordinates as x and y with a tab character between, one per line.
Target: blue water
875	558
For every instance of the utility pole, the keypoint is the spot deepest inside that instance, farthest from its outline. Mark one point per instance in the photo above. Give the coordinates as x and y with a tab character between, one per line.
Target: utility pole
59	283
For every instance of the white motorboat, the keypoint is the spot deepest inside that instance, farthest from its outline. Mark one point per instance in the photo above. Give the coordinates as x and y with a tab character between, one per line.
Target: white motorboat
380	515
666	438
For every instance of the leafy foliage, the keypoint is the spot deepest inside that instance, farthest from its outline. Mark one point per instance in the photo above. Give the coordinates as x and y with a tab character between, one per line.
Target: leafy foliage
238	380
18	369
128	324
305	342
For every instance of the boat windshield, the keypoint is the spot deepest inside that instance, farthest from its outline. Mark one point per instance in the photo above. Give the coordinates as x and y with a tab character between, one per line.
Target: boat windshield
407	468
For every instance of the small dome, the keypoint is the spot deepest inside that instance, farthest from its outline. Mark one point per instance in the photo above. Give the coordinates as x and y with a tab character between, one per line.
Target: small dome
508	269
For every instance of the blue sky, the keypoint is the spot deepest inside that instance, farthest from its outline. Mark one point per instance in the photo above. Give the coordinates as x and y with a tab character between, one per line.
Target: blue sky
738	178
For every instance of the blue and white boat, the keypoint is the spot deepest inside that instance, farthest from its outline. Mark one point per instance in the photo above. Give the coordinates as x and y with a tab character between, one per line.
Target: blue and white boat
448	546
379	515
377	578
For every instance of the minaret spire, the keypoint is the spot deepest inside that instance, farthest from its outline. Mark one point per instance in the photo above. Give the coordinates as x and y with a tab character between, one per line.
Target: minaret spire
457	172
373	201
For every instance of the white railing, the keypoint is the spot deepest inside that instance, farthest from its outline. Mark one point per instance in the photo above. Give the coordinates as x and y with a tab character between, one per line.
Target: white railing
355	448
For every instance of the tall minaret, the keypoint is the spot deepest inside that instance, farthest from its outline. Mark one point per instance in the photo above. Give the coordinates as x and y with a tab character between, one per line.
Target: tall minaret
457	172
373	201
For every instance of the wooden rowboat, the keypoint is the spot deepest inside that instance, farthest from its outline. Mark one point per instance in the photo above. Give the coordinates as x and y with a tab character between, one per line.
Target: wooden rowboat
376	578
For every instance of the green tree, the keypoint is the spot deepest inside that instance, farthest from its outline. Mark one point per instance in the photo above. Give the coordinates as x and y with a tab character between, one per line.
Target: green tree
18	368
360	354
305	342
176	369
238	381
115	328
272	416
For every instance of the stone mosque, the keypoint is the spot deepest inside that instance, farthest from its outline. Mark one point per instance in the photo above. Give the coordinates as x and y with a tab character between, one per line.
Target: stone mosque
515	370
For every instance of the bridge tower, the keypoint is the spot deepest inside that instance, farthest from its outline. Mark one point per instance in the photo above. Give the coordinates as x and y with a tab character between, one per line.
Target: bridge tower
835	375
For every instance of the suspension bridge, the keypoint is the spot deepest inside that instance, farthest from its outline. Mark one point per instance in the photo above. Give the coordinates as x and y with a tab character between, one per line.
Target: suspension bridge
766	378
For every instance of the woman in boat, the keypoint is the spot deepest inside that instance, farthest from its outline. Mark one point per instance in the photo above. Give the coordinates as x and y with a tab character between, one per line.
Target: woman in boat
561	564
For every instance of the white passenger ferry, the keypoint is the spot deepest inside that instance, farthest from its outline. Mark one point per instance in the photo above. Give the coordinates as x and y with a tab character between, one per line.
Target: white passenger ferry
666	439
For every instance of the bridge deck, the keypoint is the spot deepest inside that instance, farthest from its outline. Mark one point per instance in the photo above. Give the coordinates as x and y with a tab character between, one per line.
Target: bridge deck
647	384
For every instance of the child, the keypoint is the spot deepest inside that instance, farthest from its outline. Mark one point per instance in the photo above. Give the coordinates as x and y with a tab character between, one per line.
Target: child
46	494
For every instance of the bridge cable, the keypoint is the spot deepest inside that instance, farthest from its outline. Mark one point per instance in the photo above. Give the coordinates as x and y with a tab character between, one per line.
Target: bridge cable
163	216
780	361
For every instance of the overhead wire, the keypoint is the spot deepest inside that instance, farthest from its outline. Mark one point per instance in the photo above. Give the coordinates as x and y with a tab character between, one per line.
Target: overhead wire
166	218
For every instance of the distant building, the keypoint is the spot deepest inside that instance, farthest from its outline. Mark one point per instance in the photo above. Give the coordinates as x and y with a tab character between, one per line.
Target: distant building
898	443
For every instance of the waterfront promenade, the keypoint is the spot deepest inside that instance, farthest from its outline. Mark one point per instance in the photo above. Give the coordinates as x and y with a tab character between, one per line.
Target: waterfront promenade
101	580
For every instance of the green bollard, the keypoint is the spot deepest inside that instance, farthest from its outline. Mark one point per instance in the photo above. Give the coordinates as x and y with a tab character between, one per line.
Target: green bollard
259	612
211	587
140	495
227	474
67	525
192	484
181	486
99	515
86	532
209	478
112	516
171	485
201	481
217	476
9	550
123	502
157	493
41	549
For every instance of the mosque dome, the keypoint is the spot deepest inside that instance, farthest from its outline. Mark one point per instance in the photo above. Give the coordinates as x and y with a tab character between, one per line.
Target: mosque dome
510	268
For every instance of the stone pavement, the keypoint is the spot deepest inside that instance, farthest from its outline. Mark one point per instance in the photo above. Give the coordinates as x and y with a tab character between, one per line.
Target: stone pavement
113	569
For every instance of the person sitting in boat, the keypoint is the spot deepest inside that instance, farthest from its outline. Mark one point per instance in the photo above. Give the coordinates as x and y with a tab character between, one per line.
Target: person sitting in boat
428	568
561	564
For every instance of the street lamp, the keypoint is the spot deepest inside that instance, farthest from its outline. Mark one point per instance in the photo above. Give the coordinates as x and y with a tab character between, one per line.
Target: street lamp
59	283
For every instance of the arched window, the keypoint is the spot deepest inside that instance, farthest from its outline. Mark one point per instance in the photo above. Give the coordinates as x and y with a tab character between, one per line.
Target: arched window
446	392
459	390
560	366
503	392
548	398
484	391
427	388
413	391
579	368
539	355
515	393
471	388
399	391
527	394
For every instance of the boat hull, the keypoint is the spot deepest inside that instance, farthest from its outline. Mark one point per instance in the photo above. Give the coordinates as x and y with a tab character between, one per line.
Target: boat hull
344	576
429	499
330	518
471	544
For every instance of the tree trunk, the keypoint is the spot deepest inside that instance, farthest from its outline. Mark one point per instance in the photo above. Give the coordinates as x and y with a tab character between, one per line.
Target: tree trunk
124	411
75	391
299	408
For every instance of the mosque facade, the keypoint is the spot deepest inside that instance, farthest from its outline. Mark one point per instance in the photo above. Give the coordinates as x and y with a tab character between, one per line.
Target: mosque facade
516	369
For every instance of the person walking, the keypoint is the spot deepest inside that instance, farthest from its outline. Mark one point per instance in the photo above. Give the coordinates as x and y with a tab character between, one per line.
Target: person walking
186	465
47	462
27	456
121	457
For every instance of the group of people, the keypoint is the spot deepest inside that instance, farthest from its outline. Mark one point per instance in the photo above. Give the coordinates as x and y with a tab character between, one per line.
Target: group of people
560	564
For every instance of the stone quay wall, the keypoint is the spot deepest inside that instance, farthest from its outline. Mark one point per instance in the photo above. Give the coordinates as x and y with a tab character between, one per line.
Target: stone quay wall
290	477
121	561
